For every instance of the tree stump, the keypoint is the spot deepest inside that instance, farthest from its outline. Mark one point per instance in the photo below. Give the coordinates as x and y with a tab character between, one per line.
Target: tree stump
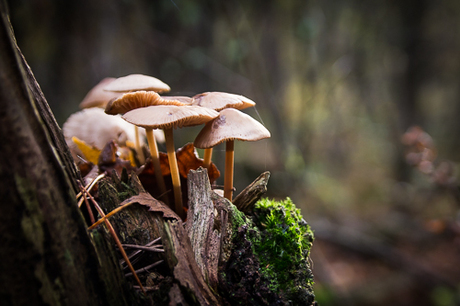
210	259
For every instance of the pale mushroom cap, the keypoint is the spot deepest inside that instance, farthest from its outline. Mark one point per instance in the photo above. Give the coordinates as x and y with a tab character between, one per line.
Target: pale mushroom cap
97	96
220	100
184	99
137	99
134	82
231	124
169	116
96	128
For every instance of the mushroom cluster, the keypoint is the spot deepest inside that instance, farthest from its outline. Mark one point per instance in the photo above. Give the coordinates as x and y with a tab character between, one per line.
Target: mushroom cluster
136	98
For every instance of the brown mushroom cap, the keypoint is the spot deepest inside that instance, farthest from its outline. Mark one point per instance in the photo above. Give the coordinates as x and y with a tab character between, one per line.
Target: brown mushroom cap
169	116
97	96
230	125
137	99
134	82
220	100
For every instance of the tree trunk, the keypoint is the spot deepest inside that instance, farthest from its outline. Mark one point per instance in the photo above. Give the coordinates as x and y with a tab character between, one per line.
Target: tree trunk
47	256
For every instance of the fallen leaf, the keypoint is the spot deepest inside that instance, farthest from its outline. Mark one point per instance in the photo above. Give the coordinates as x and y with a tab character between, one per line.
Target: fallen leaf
153	204
90	153
109	160
187	159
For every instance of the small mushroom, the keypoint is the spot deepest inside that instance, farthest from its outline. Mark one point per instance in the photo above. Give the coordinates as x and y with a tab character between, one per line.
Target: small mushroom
136	100
95	128
219	101
230	125
184	99
167	117
97	96
135	82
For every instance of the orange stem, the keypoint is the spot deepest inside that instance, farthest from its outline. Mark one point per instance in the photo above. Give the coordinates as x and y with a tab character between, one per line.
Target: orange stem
156	163
228	179
207	158
175	176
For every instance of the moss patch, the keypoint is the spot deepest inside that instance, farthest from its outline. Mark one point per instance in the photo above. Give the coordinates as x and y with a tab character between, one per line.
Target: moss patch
283	249
268	264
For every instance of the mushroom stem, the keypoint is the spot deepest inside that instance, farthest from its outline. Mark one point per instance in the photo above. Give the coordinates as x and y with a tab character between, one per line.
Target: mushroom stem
228	179
139	151
174	171
207	158
156	162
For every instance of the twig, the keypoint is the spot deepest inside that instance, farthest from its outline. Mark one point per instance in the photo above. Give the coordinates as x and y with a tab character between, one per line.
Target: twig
146	268
89	187
113	212
114	235
90	212
144	248
122	261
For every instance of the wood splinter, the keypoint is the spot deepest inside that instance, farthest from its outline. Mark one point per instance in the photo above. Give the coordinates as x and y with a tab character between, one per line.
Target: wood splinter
247	198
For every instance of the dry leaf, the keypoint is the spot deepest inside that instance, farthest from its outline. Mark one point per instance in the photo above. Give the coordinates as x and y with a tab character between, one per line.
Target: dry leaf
187	159
90	153
153	204
109	160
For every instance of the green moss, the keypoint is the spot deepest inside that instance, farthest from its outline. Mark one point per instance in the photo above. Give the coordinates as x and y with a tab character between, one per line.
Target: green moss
284	247
268	263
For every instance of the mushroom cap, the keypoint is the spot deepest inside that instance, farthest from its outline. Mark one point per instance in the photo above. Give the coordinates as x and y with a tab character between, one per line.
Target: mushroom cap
184	99
97	96
169	116
96	128
230	125
220	100
137	99
134	82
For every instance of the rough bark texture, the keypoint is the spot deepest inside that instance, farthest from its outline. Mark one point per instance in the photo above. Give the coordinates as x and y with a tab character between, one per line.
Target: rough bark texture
183	280
206	224
47	255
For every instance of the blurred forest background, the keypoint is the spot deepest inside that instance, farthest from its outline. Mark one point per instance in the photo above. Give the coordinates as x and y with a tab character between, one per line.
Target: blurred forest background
338	84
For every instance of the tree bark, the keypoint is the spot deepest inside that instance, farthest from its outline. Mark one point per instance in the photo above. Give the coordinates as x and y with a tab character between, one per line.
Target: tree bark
47	256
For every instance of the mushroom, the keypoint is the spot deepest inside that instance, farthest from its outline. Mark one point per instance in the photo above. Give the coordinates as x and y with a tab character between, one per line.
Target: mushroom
135	82
230	125
167	117
95	128
143	99
183	99
219	101
137	99
97	96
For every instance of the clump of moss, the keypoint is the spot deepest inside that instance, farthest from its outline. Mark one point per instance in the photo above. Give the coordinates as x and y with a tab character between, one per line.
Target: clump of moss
283	249
268	263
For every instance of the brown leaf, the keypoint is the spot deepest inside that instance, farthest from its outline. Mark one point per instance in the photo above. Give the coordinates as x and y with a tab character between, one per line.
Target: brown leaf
187	159
109	160
153	204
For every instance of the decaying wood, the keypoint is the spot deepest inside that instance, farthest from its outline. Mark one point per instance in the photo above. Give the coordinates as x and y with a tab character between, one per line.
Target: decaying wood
247	198
137	224
204	224
209	259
